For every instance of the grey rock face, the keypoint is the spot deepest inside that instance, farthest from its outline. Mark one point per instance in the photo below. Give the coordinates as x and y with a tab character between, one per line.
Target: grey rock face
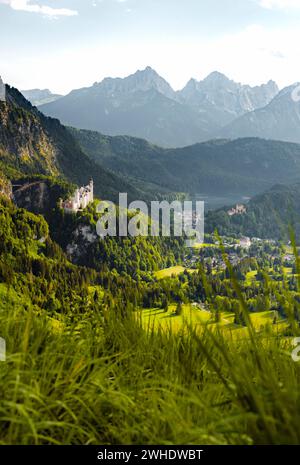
224	100
279	120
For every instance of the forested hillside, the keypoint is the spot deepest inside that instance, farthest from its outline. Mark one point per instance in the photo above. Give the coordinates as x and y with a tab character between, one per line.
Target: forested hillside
53	280
269	215
31	143
246	166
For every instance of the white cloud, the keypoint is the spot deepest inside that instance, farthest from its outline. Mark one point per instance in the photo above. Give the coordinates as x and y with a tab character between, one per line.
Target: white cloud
27	5
279	4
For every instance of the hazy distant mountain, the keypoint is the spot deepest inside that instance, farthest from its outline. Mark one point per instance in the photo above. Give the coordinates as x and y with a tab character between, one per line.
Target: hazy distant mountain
141	105
223	100
279	120
40	96
144	81
145	105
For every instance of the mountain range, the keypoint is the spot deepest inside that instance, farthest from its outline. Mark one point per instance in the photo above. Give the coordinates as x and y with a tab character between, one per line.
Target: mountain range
280	120
31	144
244	166
145	105
222	100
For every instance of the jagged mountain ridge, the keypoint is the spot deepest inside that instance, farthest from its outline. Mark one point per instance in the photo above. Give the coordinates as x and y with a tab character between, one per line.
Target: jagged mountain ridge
224	100
145	105
279	120
145	80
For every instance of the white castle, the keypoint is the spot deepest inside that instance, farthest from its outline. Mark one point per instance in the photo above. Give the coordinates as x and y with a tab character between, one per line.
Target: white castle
237	210
2	90
81	198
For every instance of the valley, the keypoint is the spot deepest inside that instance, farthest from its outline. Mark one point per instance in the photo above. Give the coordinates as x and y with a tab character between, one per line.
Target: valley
149	230
214	202
113	339
217	168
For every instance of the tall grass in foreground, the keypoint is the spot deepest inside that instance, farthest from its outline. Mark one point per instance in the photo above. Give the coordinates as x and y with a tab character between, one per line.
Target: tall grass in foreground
108	381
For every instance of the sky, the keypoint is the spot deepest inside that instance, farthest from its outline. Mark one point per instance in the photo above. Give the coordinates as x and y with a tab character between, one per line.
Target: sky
69	44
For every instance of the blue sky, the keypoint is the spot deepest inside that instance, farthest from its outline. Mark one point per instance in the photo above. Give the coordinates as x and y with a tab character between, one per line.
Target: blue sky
67	44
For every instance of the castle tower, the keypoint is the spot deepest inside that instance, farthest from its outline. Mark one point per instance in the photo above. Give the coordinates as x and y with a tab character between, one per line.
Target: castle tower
91	185
2	90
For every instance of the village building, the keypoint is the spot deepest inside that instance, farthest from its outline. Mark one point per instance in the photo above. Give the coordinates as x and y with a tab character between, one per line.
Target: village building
245	242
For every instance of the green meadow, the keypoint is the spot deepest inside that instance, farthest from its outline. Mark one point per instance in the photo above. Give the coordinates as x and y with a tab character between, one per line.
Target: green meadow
172	271
110	380
200	319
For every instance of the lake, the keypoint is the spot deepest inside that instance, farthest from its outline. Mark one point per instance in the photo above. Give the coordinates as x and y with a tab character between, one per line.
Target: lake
213	202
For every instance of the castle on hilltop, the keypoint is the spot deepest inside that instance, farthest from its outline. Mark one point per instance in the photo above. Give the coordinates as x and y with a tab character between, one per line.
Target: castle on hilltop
237	210
81	198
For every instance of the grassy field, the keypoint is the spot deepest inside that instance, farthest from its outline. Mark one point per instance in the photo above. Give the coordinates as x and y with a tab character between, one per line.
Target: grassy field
105	380
172	271
157	318
204	245
197	317
251	275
